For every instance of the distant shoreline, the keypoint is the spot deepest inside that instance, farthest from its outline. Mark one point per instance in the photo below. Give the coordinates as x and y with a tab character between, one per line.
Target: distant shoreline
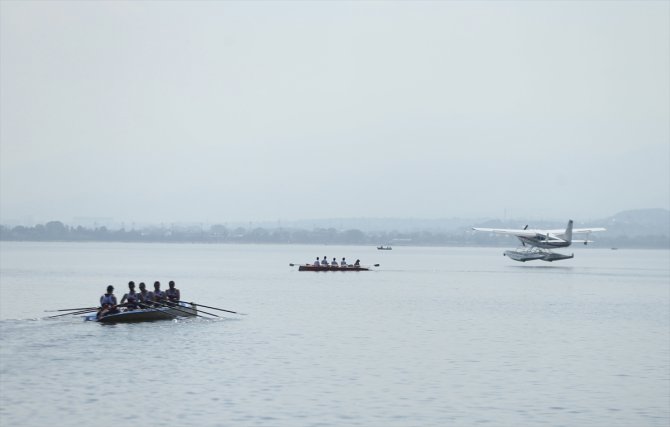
397	247
637	229
661	242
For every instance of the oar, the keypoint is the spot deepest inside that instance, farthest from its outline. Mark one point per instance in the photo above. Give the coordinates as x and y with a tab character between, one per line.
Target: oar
184	311
71	309
214	308
90	310
77	312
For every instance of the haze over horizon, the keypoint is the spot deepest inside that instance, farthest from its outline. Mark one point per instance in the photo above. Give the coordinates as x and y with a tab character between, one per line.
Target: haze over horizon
263	111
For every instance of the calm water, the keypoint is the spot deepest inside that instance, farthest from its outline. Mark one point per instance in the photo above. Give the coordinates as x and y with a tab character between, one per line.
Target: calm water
435	337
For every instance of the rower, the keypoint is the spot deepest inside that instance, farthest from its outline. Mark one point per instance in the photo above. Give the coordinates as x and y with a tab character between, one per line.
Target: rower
357	263
144	297
343	263
159	296
334	263
317	263
172	293
107	303
324	262
131	296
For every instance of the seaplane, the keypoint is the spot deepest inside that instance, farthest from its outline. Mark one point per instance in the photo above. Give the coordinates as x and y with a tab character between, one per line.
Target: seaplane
537	244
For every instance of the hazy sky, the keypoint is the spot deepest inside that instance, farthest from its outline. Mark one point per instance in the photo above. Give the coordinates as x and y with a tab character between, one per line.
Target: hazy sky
222	111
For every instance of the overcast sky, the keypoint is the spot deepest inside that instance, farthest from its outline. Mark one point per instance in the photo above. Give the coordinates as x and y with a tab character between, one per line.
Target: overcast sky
227	111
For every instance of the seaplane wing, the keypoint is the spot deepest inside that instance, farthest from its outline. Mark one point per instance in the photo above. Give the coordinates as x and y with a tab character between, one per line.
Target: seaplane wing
586	230
539	233
512	232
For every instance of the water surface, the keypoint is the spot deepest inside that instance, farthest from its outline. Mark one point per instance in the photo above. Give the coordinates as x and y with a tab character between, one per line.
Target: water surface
434	337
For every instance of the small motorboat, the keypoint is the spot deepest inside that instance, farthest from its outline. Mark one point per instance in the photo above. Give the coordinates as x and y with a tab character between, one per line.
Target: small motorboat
308	267
384	248
147	314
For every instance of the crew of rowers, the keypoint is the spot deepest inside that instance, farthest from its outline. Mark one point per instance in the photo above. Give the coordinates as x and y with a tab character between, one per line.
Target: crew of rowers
324	263
133	300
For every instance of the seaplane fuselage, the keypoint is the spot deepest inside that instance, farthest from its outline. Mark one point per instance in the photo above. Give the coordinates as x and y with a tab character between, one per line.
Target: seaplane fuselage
544	241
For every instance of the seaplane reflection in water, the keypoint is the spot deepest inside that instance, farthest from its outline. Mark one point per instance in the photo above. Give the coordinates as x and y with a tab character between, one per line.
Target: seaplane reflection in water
537	243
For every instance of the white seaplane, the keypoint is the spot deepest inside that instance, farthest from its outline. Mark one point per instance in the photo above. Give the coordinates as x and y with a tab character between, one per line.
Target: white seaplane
537	243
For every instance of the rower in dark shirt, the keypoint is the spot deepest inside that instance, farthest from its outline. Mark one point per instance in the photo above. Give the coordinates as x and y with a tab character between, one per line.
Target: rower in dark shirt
145	298
172	293
131	297
159	296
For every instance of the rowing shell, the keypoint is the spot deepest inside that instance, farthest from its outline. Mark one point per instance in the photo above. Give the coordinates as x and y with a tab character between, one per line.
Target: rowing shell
147	314
329	268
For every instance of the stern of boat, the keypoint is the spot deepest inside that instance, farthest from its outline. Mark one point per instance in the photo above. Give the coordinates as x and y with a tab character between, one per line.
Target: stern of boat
188	309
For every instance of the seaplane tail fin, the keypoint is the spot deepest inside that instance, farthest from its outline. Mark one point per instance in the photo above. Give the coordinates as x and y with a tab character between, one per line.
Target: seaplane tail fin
568	232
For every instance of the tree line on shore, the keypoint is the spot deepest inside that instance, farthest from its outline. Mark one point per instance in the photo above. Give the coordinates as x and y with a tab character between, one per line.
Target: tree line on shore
57	231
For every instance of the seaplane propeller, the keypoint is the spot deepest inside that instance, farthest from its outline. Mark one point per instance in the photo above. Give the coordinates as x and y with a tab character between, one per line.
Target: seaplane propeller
522	242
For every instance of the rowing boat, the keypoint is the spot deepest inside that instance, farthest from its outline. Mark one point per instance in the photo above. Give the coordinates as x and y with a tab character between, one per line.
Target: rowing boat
330	268
147	314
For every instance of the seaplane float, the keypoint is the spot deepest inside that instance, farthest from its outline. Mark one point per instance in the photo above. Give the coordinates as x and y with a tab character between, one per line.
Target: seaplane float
533	254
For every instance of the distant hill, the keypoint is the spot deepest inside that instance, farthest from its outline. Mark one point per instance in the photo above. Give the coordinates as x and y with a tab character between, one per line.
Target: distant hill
640	222
403	225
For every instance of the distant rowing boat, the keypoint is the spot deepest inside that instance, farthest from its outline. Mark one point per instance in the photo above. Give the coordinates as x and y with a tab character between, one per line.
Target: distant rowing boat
147	314
331	268
384	248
